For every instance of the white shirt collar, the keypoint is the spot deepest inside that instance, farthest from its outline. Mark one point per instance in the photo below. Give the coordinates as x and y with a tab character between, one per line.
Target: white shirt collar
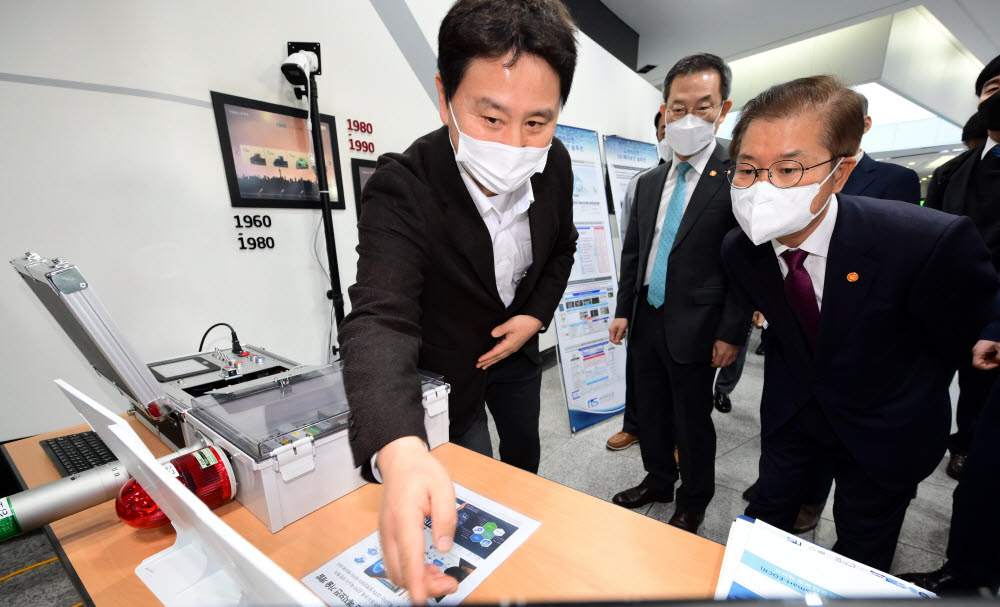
522	197
818	243
697	162
858	157
989	146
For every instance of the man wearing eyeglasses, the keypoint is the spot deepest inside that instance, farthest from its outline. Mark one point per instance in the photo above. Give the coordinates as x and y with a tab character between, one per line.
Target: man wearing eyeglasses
674	298
870	306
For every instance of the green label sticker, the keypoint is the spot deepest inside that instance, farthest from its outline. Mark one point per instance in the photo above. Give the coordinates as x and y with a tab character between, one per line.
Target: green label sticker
8	520
206	458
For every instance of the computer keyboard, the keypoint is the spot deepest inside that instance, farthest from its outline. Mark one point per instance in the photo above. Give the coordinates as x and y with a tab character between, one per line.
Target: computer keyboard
75	453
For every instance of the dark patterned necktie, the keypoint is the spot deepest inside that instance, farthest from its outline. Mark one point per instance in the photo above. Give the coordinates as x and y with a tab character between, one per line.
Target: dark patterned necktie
800	294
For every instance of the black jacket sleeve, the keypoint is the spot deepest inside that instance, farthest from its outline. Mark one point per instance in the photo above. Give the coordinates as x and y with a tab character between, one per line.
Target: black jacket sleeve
380	339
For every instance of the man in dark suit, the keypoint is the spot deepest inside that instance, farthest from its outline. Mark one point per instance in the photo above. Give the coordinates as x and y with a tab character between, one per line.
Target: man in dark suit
973	558
881	179
674	299
466	243
972	188
973	135
870	304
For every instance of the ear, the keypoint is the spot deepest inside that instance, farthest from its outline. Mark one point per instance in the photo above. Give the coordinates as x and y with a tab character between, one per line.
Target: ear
442	100
726	106
842	173
868	125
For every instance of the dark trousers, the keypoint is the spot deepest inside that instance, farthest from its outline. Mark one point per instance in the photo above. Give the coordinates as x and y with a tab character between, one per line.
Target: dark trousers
674	407
630	420
513	394
974	540
974	387
728	377
868	516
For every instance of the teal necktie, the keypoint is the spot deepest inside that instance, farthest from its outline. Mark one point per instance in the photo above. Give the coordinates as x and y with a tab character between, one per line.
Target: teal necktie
671	221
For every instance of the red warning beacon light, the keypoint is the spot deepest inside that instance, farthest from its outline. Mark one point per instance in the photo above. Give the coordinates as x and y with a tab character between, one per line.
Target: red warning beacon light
206	472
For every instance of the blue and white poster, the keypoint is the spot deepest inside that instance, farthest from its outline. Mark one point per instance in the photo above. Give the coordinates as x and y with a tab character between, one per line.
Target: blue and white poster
625	158
593	368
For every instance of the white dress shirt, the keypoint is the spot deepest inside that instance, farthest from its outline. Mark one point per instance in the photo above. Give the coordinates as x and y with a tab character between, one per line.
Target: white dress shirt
506	218
697	162
989	146
818	247
858	157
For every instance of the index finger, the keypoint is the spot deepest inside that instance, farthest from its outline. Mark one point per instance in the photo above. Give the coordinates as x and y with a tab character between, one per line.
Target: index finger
410	548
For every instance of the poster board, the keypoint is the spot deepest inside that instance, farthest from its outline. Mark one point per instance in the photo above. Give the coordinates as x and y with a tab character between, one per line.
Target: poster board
625	158
593	368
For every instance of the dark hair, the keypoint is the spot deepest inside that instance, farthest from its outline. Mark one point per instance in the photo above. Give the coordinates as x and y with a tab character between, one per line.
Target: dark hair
702	62
990	71
657	117
837	105
974	129
864	103
495	28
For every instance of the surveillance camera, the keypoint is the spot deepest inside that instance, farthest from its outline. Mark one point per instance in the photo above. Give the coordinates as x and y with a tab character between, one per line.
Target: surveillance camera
299	66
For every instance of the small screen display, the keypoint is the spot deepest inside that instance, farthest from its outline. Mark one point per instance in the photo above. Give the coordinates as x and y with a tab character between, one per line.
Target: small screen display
181	367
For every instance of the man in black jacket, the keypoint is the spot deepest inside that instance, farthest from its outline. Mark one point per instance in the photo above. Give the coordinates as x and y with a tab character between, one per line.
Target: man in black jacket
884	180
683	319
466	244
870	305
971	187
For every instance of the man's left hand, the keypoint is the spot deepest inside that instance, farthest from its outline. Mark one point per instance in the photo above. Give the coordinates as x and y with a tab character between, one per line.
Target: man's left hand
723	354
514	333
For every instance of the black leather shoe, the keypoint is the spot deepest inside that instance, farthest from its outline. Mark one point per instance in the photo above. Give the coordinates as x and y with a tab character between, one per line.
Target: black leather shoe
688	521
640	496
748	493
955	466
722	402
808	518
942	582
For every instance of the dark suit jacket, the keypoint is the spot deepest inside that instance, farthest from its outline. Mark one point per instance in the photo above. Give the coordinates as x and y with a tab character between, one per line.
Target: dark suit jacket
888	343
426	294
942	177
883	180
699	305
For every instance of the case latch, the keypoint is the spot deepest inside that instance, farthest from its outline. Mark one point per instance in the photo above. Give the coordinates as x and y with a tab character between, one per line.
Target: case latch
295	459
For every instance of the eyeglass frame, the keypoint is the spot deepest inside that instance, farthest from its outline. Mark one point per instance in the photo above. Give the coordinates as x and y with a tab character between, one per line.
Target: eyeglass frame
756	171
669	110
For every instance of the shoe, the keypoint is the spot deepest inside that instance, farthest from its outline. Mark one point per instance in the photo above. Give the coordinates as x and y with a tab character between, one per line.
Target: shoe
640	496
760	349
722	402
622	440
955	466
688	521
808	518
942	582
748	493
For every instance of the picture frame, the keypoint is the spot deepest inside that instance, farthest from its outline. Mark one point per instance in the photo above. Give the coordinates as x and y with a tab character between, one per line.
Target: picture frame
266	154
361	169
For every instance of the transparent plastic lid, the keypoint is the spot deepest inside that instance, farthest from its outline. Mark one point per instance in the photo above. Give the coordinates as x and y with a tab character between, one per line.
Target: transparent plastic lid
260	416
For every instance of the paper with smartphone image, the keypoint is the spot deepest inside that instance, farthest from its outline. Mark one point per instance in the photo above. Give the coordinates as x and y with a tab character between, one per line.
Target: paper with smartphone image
764	562
487	533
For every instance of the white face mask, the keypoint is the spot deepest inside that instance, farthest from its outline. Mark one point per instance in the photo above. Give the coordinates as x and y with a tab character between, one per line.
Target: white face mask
690	134
498	167
666	154
766	212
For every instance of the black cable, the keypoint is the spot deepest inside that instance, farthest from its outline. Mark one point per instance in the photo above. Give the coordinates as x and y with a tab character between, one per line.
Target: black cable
237	348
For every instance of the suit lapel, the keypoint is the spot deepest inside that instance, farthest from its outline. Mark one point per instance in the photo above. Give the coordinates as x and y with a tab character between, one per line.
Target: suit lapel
540	221
648	203
863	176
850	272
956	194
708	184
465	227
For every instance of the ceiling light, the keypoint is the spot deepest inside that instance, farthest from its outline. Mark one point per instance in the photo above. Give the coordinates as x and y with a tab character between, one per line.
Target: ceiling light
911	163
939	161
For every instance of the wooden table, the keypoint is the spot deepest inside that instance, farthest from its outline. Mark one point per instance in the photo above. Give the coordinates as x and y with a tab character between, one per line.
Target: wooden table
585	549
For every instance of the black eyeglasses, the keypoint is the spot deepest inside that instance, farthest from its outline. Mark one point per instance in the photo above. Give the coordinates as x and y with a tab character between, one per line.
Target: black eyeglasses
781	174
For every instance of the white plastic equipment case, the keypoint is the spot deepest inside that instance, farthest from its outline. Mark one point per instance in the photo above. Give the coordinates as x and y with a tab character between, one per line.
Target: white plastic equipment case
287	437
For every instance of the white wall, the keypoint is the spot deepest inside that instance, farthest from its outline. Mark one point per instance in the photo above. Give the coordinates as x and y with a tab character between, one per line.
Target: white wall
132	189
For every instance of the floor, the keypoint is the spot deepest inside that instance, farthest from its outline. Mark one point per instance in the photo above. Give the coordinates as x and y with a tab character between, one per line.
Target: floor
582	462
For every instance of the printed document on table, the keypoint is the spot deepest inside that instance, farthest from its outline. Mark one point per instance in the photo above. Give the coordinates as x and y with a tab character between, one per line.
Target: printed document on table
486	535
763	562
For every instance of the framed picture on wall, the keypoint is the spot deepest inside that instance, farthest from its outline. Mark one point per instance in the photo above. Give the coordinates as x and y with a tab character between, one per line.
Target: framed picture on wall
266	153
361	169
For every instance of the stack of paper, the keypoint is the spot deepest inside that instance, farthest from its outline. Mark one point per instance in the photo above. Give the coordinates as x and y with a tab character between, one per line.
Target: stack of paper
764	562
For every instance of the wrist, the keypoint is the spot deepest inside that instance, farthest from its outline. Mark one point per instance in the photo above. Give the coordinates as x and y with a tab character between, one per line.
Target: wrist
398	452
